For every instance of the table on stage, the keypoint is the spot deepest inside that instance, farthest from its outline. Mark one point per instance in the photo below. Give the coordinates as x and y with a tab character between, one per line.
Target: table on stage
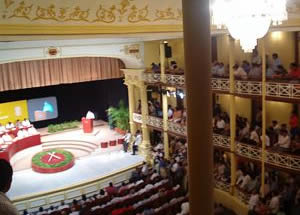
19	145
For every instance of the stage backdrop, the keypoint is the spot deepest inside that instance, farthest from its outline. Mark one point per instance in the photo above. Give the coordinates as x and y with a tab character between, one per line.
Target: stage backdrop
74	100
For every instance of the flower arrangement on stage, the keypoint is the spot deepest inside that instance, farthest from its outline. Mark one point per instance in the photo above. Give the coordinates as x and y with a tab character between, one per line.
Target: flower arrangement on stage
63	126
52	161
119	117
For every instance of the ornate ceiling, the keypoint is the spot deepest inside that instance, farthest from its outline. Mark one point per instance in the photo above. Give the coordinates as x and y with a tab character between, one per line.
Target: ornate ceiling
36	17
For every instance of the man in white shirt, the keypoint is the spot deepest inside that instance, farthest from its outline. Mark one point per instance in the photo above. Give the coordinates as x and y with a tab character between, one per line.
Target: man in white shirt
32	131
2	129
284	141
6	206
26	123
253	201
256	59
170	112
137	142
20	134
90	115
127	139
239	72
276	62
7	138
9	126
254	135
274	203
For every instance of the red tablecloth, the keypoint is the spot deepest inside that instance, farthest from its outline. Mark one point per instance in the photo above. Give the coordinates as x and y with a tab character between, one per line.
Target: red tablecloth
20	145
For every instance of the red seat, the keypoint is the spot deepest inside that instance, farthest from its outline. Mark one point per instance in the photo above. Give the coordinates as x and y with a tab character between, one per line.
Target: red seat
112	143
120	141
104	144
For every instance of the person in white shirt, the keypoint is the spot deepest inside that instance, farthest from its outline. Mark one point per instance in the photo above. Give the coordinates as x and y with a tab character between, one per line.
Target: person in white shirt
9	126
276	62
26	123
90	115
137	142
127	139
2	129
220	123
245	181
256	59
274	203
18	124
20	134
32	131
254	135
239	72
253	201
221	70
185	208
63	206
284	141
7	138
170	112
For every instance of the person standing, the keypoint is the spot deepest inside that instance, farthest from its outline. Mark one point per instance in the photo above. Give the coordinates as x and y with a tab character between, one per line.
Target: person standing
137	142
6	206
126	142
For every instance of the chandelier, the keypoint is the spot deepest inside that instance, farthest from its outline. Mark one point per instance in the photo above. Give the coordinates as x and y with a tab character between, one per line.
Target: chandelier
248	20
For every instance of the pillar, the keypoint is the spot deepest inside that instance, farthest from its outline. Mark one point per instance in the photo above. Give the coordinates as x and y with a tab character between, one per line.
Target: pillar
232	115
164	100
162	61
131	101
145	147
263	117
197	45
165	125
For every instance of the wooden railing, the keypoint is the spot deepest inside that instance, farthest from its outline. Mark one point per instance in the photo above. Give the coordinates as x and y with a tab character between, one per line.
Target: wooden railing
248	151
222	185
221	141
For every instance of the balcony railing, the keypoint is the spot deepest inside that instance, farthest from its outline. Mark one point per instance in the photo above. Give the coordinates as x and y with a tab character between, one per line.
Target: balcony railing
222	185
152	77
248	151
244	197
220	84
248	87
137	118
177	128
283	90
283	160
155	122
221	141
175	80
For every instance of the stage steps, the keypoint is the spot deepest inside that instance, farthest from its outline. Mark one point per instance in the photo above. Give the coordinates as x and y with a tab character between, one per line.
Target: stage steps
70	144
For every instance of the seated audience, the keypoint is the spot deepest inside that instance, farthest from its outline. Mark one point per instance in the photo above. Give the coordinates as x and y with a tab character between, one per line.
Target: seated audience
111	189
9	126
239	72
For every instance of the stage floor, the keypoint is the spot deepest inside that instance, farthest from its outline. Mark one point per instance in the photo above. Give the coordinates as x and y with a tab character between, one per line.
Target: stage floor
27	182
91	160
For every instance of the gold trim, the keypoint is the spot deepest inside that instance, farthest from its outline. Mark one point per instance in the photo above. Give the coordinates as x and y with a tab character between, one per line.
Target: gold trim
85	29
77	185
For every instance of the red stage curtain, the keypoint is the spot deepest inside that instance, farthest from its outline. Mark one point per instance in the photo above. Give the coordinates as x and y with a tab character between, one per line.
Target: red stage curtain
39	73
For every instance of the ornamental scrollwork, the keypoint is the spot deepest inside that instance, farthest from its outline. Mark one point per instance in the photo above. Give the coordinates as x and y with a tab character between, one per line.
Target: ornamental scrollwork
79	15
138	15
22	11
106	15
46	13
168	14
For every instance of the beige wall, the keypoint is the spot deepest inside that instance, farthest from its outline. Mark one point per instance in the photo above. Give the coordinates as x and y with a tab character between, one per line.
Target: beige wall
152	52
279	111
280	42
243	105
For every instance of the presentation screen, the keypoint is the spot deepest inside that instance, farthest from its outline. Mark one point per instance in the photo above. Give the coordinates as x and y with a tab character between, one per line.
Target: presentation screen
13	111
42	109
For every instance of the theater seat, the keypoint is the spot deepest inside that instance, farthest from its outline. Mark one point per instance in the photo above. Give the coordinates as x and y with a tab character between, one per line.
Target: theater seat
104	144
112	143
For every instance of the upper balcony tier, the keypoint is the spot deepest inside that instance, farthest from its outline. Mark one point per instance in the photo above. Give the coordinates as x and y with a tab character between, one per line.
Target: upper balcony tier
271	157
274	89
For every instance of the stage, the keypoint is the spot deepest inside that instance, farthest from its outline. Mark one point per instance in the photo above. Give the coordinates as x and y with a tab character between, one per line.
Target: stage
91	162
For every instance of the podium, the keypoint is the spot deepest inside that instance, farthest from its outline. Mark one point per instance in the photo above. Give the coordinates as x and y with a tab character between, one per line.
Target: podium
87	125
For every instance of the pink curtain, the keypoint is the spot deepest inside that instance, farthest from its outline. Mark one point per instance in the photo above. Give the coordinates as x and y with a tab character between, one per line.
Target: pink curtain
38	73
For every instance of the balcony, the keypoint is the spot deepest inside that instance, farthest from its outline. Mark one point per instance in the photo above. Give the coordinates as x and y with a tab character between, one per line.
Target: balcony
221	141
274	89
249	151
221	185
